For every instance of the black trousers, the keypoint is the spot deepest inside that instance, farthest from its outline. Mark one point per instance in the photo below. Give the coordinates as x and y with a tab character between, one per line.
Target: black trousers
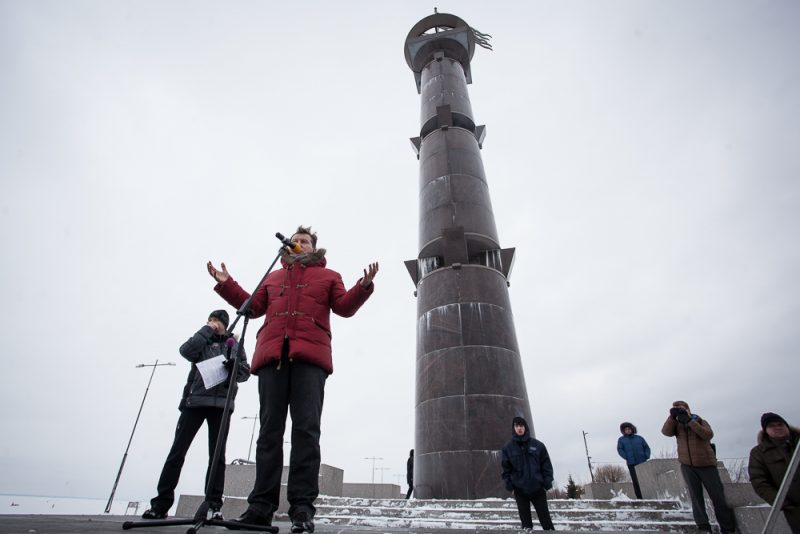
410	489
793	518
298	387
539	501
698	477
189	423
636	489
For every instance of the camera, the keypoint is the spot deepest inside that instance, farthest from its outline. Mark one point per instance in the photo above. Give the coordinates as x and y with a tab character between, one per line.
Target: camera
680	415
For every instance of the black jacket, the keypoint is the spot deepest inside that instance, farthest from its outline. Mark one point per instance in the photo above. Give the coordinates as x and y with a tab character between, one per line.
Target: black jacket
204	345
768	463
526	463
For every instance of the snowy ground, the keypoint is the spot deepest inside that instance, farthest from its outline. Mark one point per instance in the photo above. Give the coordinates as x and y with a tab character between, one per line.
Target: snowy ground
34	504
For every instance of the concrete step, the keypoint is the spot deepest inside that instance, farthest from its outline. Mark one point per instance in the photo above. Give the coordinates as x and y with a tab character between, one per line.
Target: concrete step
632	515
568	515
650	504
588	525
603	514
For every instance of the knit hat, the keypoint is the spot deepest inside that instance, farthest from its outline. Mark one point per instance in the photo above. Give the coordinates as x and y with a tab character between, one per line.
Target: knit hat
770	417
221	315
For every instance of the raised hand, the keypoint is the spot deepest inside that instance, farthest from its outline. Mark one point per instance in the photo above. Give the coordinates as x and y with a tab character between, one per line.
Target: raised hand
219	276
369	275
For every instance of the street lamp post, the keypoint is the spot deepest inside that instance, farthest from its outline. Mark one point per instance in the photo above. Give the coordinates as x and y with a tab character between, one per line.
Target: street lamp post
588	458
373	458
382	469
253	433
125	455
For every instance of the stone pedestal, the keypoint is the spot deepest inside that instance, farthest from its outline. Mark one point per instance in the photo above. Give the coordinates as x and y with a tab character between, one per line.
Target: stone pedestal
608	490
371	491
239	480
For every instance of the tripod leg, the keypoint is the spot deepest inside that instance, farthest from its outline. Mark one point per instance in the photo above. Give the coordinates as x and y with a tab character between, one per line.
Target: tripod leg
127	525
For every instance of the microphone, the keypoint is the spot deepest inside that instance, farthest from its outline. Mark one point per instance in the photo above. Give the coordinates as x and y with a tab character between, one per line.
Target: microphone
293	247
228	363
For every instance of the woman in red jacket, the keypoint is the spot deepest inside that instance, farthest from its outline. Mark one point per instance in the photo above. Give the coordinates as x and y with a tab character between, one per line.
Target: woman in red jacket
292	360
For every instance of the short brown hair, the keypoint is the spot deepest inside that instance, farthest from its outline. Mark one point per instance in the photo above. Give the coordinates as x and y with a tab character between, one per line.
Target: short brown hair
307	230
680	403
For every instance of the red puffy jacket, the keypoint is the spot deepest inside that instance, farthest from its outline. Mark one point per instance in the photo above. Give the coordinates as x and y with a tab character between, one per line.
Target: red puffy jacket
297	301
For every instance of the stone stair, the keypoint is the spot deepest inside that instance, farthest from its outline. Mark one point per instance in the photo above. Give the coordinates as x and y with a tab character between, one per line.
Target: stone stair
501	514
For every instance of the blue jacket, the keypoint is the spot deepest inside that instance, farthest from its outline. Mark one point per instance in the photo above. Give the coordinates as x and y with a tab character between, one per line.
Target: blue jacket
633	449
526	463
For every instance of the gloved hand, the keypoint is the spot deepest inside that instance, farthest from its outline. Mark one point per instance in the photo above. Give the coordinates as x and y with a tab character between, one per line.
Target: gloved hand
509	486
228	364
680	415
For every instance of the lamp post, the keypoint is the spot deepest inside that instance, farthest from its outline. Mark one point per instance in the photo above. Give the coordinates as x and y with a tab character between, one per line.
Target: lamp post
588	458
253	433
382	469
373	458
125	455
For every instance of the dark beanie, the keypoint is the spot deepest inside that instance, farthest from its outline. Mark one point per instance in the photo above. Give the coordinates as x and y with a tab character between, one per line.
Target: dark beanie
770	417
222	315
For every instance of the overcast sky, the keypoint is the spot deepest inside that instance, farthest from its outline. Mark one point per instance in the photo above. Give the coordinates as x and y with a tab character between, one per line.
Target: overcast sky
642	157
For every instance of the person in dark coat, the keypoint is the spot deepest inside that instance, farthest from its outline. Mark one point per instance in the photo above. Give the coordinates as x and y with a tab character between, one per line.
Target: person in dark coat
293	359
634	450
410	474
200	404
528	472
769	461
699	466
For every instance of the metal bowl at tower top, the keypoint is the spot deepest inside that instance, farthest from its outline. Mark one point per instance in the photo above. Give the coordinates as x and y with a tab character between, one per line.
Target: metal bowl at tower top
440	23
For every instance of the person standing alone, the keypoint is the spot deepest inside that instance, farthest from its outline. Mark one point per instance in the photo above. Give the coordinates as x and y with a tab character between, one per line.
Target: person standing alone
410	474
528	472
634	450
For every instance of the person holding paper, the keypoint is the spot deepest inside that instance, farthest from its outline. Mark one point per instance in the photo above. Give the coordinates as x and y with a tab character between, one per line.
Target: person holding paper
203	401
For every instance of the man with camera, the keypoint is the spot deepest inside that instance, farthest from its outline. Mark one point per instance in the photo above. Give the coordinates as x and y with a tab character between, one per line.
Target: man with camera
699	466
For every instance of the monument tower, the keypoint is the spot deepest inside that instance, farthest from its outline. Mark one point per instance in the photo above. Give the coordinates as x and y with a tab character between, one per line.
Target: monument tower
469	379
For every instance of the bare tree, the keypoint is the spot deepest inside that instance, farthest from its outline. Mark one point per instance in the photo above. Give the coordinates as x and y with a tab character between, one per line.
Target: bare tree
610	473
666	453
737	469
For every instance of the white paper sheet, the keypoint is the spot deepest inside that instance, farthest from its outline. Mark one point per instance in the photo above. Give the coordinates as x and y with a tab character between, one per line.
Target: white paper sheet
213	371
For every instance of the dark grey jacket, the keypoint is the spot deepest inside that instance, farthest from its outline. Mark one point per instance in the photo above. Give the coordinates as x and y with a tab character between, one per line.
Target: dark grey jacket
204	345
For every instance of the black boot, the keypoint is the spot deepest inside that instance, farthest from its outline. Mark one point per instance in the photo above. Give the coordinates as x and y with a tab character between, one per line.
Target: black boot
252	517
154	513
302	523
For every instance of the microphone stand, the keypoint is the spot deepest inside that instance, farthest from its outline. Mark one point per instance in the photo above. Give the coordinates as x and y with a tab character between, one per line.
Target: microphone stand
200	518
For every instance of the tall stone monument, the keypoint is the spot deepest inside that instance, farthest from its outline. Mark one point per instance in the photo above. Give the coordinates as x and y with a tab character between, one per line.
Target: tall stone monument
469	382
